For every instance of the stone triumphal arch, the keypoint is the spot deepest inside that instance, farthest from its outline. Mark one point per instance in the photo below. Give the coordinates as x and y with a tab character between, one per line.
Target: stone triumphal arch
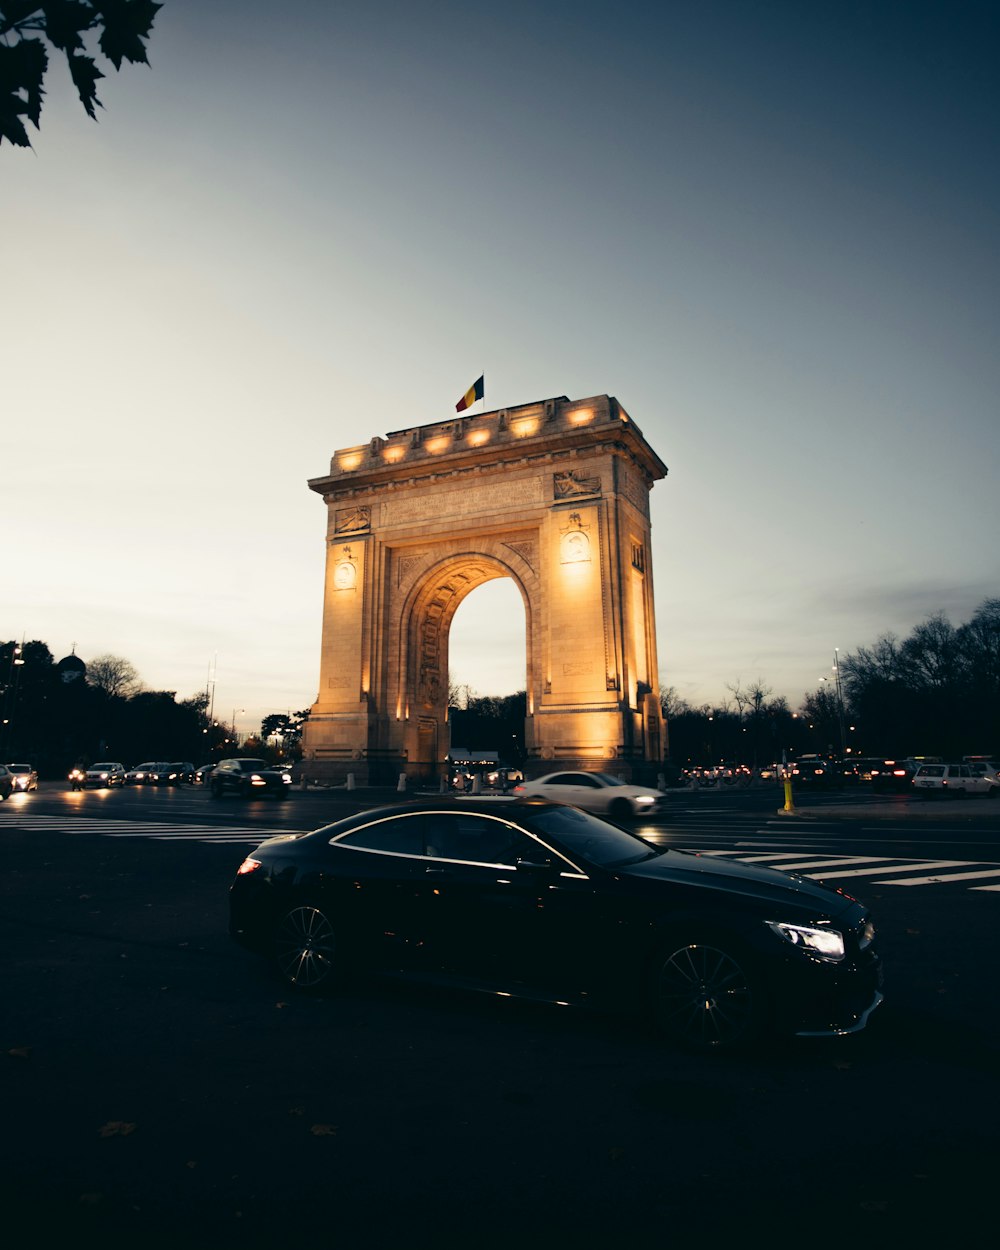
555	496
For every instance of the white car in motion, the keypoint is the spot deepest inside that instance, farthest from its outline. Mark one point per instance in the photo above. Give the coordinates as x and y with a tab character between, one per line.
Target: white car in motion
594	792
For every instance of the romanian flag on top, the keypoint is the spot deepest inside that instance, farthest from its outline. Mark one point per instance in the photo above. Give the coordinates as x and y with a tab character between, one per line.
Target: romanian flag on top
476	391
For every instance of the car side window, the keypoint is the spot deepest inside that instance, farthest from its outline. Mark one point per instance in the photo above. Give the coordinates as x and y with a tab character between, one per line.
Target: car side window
401	835
476	839
580	779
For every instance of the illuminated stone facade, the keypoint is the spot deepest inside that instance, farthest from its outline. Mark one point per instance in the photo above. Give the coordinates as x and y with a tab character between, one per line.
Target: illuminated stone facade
555	496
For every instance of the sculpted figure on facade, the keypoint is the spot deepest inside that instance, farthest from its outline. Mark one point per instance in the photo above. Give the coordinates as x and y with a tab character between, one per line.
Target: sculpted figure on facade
353	520
569	484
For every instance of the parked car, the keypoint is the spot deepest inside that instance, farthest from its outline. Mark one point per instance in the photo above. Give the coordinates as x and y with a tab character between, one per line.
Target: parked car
25	777
554	902
248	777
6	782
940	780
106	773
139	776
594	792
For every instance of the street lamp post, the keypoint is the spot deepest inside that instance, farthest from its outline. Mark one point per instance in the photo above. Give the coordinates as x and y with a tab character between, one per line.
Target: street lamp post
840	702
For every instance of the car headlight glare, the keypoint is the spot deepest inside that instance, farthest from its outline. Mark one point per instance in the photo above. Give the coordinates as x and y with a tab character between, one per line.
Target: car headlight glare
823	943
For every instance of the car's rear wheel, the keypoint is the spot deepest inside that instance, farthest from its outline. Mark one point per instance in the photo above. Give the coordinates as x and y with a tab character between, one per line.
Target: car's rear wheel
305	949
704	998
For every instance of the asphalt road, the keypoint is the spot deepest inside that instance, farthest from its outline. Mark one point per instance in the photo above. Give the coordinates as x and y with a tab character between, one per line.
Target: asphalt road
161	1088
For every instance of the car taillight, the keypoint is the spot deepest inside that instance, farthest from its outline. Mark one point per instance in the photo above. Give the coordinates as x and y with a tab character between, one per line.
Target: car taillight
249	865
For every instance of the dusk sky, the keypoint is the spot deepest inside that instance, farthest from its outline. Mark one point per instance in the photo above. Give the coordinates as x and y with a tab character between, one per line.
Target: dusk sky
769	229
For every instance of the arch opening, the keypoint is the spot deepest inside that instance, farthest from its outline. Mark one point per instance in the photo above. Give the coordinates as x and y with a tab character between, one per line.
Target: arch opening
487	678
427	637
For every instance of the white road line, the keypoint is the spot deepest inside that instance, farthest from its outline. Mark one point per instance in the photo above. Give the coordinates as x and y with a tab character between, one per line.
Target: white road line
791	865
207	835
792	859
154	830
986	887
871	872
954	876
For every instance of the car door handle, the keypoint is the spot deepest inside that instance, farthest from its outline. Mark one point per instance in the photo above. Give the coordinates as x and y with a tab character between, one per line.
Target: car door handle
437	872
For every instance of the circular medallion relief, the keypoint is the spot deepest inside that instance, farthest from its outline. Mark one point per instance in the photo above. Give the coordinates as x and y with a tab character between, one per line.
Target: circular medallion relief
575	547
345	575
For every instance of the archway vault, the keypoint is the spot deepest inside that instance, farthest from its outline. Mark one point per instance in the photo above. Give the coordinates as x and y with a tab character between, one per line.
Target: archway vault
427	617
554	496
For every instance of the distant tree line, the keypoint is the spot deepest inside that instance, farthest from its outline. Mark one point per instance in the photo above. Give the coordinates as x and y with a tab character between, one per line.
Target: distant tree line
936	692
488	723
57	715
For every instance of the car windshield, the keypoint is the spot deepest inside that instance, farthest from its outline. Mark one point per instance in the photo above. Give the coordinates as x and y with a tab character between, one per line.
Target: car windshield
104	767
253	766
591	838
19	768
608	780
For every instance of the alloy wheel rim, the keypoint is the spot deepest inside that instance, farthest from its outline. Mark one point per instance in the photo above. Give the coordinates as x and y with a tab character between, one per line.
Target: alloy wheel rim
703	996
306	947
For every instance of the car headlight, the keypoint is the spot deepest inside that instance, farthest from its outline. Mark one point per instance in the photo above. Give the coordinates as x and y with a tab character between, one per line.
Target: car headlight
257	780
644	798
823	943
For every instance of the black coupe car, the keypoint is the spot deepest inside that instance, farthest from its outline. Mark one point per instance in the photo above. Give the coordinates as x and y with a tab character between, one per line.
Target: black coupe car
249	777
540	899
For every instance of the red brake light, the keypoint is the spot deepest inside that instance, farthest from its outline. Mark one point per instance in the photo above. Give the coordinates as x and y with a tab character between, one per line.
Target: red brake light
249	865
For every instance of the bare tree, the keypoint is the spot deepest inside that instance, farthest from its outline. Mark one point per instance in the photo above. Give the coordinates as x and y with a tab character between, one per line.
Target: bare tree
114	675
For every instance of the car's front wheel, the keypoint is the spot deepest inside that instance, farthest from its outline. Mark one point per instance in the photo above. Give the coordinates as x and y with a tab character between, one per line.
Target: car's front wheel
704	998
305	949
620	809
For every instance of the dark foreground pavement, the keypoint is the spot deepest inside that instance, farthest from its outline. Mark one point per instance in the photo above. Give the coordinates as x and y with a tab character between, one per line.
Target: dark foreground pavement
161	1090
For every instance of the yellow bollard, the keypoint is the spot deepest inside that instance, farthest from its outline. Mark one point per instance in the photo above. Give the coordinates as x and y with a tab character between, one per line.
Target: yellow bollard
789	801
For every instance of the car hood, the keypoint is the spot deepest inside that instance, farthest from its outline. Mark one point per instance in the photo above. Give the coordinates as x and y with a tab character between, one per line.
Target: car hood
748	880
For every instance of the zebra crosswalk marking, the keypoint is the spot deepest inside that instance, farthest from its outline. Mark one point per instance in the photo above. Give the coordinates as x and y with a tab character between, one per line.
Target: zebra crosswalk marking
796	863
872	872
953	876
